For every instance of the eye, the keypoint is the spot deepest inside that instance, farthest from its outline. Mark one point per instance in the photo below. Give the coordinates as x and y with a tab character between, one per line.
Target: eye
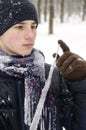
19	26
34	27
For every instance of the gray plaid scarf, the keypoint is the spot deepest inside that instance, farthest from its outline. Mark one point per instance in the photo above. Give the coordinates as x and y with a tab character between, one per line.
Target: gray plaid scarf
32	68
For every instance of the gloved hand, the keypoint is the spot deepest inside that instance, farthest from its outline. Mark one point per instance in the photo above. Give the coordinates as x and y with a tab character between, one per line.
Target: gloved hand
71	65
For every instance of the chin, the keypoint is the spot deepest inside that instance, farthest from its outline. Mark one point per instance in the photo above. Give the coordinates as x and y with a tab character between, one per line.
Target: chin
26	54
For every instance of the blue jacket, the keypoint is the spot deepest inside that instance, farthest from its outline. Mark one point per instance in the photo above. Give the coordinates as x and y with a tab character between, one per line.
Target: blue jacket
70	101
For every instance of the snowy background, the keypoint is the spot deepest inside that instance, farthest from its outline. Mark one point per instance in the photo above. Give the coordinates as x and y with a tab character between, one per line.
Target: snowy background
72	32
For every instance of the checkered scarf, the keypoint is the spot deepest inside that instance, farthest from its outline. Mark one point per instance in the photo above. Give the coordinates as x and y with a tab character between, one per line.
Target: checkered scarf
32	69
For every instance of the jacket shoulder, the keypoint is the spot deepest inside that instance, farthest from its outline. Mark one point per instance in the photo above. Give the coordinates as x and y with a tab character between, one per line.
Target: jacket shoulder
55	81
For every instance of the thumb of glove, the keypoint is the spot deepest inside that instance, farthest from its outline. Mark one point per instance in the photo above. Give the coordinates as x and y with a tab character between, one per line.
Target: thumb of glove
63	46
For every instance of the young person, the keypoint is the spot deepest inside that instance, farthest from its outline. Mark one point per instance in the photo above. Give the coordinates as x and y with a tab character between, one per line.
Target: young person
23	75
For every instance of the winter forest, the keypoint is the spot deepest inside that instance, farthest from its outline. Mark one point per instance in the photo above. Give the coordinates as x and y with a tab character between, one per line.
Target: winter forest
65	19
60	9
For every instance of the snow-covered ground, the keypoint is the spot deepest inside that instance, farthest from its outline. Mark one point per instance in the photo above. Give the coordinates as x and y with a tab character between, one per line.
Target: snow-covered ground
73	33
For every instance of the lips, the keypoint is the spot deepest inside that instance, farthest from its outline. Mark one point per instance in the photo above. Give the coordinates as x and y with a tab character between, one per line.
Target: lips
28	45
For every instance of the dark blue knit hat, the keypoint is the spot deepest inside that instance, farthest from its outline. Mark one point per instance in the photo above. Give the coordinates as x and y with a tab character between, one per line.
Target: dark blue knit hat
15	11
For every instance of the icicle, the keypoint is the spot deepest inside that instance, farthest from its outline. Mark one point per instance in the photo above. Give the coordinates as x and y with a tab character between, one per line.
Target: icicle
40	105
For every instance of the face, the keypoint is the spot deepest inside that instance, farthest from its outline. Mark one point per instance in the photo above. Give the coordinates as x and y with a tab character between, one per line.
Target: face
19	39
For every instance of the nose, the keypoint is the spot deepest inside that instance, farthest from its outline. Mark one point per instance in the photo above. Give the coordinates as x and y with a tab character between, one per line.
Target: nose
28	34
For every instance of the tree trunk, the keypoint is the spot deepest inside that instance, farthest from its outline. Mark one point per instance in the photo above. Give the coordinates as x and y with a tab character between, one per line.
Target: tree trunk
62	11
84	10
45	10
39	10
51	16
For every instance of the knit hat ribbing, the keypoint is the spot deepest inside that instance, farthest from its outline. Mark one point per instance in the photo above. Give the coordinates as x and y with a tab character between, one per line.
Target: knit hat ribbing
15	11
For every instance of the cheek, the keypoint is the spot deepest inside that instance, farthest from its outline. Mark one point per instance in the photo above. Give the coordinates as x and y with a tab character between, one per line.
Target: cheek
14	38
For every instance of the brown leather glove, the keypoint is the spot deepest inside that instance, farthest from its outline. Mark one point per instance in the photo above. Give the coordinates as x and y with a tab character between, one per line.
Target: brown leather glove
71	65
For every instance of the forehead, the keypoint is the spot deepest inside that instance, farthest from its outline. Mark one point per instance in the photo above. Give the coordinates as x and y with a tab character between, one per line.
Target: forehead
27	22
